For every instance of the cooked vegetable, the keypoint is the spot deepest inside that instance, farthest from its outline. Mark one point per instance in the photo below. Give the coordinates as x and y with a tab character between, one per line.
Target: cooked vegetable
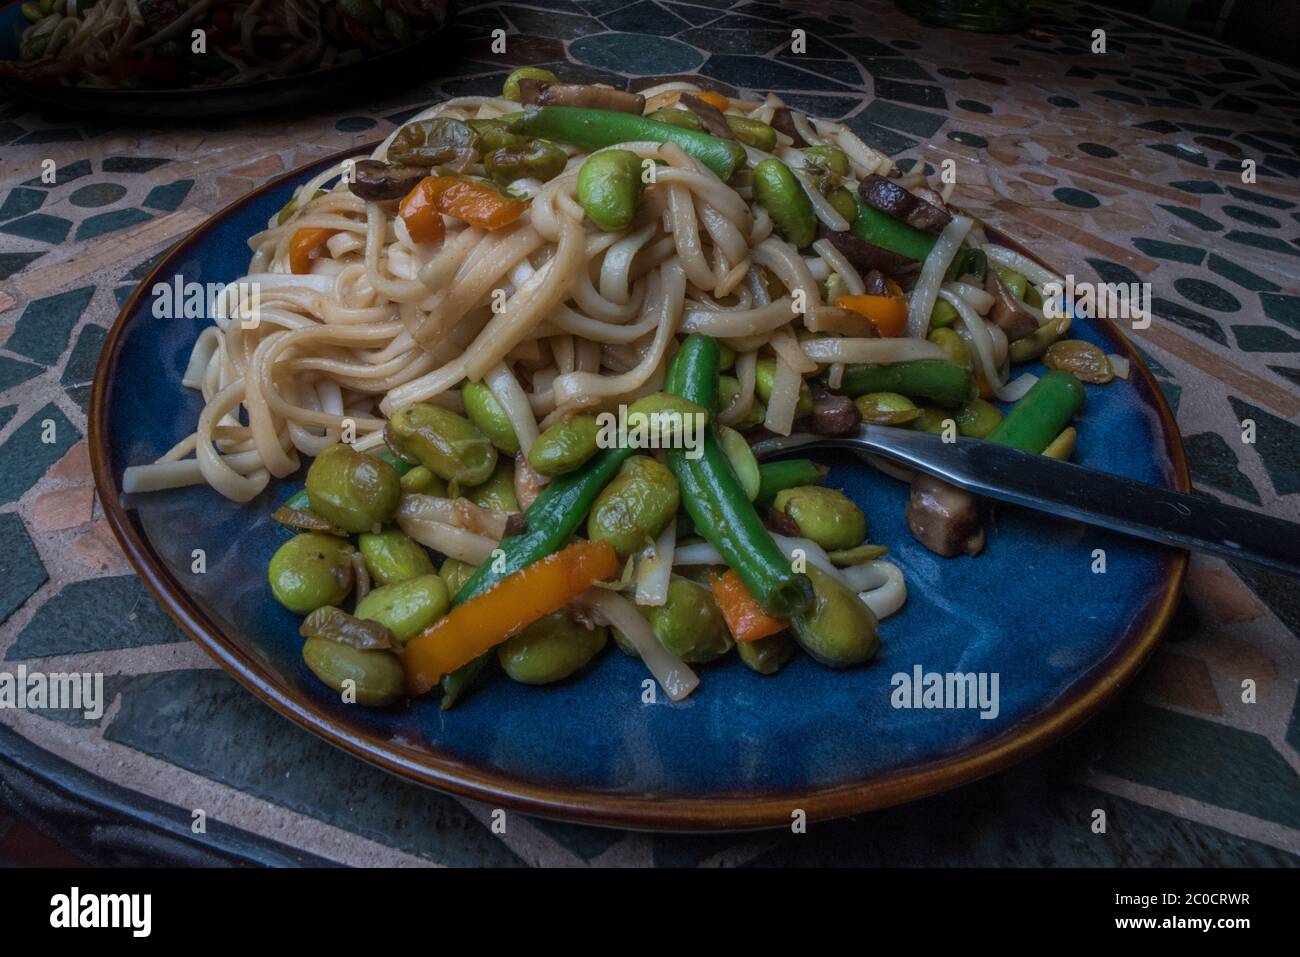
510	89
943	315
1033	346
888	197
376	181
438	142
472	201
596	129
337	625
565	446
838	630
516	601
582	95
768	655
609	188
303	243
953	344
311	570
843	202
1062	447
550	649
886	408
781	195
1041	414
536	159
1009	313
406	608
420	215
1082	359
689	625
944	519
675	117
892	235
941	382
977	419
765	380
831	157
635	507
710	116
447	444
887	313
753	133
728	389
391	557
863	255
374	676
498	492
745	617
421	481
775	476
741	459
454	575
825	515
485	412
352	490
714	498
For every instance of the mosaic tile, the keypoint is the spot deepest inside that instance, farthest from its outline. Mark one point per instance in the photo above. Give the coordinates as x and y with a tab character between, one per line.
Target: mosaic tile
168	197
20	201
547	23
1264	339
1207	294
26	454
756	73
97	194
80	368
1197	219
101	614
1175	252
11	263
42	330
21	571
903	118
1283	309
1260	198
39	226
1188	319
132	164
110	222
205	722
15	372
929	96
645	17
887	141
1078	198
1239	274
1277	443
1213	462
1251	218
643	56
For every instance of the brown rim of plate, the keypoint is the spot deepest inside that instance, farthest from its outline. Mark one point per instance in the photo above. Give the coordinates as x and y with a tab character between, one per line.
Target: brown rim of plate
733	811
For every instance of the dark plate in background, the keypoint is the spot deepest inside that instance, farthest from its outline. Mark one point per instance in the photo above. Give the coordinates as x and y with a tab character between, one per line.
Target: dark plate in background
391	70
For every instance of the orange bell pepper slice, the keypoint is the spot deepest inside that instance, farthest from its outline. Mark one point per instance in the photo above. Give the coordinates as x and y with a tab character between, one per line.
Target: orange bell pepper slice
745	617
715	99
421	215
887	313
471	201
303	243
506	609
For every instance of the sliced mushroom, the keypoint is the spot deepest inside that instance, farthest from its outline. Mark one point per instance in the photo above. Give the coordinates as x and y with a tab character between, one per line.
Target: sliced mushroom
833	414
1008	313
875	284
893	200
376	181
865	256
585	95
943	518
713	118
783	122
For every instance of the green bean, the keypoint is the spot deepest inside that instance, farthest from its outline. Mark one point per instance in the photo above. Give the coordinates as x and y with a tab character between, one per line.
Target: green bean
1083	360
776	476
839	630
447	444
767	655
352	490
831	157
635	507
311	570
565	446
741	459
886	408
609	188
932	379
392	557
550	649
689	623
596	129
510	89
776	188
883	230
977	419
753	133
375	676
823	515
714	498
1041	414
407	607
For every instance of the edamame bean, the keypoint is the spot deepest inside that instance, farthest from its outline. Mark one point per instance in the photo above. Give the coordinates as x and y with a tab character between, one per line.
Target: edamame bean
498	492
609	188
840	630
886	408
953	344
667	419
832	157
768	655
447	444
635	507
485	412
375	676
781	195
753	133
311	570
565	446
536	159
550	649
510	89
392	557
1083	360
406	608
934	420
455	573
827	516
1032	346
765	377
675	117
943	315
420	481
741	459
843	202
689	623
728	389
1014	281
977	419
352	490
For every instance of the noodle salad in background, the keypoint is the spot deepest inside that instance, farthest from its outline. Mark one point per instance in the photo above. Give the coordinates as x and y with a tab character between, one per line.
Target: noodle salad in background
141	44
442	326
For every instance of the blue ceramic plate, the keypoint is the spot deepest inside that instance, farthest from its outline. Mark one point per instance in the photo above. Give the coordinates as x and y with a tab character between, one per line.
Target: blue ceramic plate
390	69
744	750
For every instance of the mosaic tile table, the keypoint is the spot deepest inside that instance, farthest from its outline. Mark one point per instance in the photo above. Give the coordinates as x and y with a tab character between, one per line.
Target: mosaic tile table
1127	163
